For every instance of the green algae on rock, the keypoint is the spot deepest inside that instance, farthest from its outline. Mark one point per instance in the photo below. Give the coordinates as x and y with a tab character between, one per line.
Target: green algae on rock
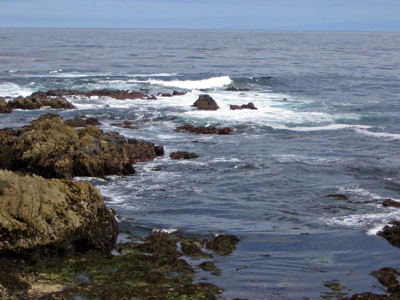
183	155
223	244
210	267
47	216
151	269
50	148
82	122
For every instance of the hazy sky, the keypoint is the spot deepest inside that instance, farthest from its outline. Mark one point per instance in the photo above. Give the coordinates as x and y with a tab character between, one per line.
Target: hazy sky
251	14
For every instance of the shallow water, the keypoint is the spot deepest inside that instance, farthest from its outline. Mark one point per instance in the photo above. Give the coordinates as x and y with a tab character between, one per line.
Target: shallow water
327	123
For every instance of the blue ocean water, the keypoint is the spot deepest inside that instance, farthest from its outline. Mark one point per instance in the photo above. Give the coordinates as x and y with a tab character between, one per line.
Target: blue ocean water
327	122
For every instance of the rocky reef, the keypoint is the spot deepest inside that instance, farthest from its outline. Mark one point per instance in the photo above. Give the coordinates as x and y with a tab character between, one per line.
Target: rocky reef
204	130
116	94
205	102
50	148
4	107
52	216
249	105
183	155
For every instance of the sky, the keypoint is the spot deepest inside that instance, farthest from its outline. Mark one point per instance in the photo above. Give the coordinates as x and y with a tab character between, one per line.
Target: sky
349	15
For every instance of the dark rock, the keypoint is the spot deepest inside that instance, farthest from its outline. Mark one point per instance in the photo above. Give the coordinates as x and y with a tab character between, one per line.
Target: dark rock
116	94
178	93
391	233
42	216
391	203
193	248
205	102
164	95
79	122
249	105
36	101
223	244
50	148
183	155
159	150
204	130
4	107
210	267
234	89
338	196
126	124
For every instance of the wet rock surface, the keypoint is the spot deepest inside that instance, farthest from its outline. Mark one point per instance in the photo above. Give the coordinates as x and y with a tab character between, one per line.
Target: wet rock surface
50	148
210	267
391	203
38	101
223	244
249	105
150	268
125	124
52	216
183	155
204	130
391	233
4	107
235	89
82	122
205	102
116	94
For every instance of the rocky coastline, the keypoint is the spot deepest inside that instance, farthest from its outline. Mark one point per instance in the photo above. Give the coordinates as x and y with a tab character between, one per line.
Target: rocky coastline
58	238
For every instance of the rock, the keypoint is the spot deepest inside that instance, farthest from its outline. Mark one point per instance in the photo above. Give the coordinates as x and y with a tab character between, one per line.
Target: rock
223	244
183	155
40	216
391	233
391	203
338	196
204	130
164	94
79	122
249	105
50	148
234	89
126	124
4	107
205	102
116	94
193	248
210	267
37	101
178	93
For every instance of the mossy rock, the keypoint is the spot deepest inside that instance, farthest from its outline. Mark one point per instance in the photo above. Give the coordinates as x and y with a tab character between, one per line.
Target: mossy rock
210	267
183	155
223	244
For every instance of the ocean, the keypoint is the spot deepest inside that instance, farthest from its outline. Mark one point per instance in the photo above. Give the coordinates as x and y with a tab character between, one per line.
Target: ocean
327	123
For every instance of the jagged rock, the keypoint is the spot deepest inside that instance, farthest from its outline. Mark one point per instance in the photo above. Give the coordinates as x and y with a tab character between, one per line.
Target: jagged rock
234	89
223	244
79	122
391	203
205	102
37	101
50	148
4	107
126	124
249	105
391	233
43	216
183	155
204	130
178	93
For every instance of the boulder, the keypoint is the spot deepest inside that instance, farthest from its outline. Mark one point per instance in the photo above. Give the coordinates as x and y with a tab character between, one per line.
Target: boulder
50	148
205	102
204	130
183	155
4	107
178	93
223	244
391	233
52	216
391	203
249	105
39	101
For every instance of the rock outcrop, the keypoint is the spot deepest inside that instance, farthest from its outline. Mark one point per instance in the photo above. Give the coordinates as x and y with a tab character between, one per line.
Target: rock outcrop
205	102
37	101
183	155
50	148
52	216
391	233
204	130
249	105
116	94
80	122
4	107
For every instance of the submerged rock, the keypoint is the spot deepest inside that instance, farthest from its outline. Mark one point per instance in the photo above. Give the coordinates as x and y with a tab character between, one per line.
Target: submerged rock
125	124
79	122
210	267
204	130
205	102
50	148
249	105
391	203
183	155
52	216
223	244
37	101
391	233
4	107
234	89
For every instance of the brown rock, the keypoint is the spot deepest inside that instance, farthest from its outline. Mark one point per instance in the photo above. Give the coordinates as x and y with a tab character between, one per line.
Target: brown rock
36	101
178	93
183	155
391	203
50	148
204	130
223	244
391	233
46	216
79	122
249	105
205	102
126	124
4	107
234	89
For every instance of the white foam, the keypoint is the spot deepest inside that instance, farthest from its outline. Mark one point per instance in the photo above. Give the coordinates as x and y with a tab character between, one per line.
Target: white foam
213	82
374	230
359	191
55	71
153	75
14	90
395	136
165	230
328	127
